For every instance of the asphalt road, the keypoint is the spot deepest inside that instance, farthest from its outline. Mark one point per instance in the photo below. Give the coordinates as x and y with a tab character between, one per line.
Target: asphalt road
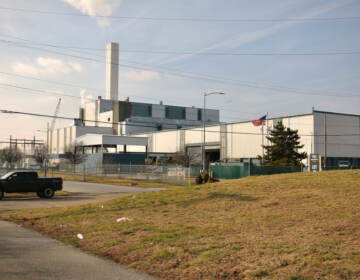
80	193
27	255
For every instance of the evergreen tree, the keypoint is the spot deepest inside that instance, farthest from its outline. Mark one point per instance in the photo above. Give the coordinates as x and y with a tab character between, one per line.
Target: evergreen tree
284	147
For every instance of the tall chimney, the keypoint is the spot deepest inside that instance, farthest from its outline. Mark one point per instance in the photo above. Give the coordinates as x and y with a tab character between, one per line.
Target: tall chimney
112	71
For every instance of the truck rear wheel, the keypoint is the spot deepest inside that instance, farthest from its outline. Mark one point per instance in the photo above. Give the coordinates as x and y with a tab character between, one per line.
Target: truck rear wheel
1	194
48	192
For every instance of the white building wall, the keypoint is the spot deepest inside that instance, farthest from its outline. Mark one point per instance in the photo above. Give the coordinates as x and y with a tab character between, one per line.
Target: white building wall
90	113
244	140
69	138
61	137
195	135
106	119
240	144
347	144
166	142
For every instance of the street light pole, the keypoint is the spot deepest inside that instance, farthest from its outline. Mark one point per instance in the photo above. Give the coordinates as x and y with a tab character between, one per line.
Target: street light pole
203	155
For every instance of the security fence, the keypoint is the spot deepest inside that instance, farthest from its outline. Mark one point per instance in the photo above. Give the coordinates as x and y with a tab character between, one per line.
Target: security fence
178	175
236	171
170	174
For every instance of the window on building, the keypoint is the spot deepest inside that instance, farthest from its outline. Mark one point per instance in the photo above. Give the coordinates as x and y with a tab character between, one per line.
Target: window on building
199	114
175	113
183	115
141	109
159	127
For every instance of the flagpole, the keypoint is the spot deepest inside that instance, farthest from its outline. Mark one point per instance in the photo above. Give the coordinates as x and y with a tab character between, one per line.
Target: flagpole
262	143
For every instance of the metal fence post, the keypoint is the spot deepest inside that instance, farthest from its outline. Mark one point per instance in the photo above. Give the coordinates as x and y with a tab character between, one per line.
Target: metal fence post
45	168
83	173
189	174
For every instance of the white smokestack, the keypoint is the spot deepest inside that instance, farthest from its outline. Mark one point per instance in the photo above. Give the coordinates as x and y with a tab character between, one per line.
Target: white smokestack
112	71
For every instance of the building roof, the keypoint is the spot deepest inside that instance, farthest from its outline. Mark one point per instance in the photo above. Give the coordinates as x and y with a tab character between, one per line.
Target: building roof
106	140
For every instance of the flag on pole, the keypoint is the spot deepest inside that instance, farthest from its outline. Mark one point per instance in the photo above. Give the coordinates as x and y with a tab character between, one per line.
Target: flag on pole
260	121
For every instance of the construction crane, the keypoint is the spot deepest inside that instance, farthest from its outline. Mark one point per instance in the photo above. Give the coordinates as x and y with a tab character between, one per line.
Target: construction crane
50	131
55	116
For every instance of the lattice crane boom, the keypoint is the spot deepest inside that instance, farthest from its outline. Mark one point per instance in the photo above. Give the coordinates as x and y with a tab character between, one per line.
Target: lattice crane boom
55	116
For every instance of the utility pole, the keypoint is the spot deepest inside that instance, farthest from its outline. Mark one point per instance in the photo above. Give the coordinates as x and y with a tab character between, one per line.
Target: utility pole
325	142
203	152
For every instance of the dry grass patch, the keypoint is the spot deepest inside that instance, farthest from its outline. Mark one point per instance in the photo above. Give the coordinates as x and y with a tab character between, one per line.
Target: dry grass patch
290	226
114	181
28	195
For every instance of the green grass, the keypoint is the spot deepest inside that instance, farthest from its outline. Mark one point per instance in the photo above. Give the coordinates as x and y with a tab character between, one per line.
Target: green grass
291	226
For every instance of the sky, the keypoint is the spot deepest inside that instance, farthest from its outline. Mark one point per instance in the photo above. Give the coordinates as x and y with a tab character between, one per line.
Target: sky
61	50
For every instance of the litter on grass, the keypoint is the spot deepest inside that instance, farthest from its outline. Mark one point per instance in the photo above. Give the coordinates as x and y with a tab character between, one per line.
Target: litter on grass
63	226
80	236
123	220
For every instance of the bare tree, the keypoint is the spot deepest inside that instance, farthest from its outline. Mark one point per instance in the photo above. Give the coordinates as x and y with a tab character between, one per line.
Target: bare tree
11	156
185	159
40	154
73	153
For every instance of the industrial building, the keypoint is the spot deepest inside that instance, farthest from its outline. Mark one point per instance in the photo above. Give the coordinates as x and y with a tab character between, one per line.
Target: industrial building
333	136
111	116
166	130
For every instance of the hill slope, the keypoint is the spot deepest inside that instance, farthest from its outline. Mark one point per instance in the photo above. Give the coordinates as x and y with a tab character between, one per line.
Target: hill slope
291	226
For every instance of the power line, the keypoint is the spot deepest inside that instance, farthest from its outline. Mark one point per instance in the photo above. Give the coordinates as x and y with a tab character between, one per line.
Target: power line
51	93
52	82
171	52
200	130
192	75
39	91
182	19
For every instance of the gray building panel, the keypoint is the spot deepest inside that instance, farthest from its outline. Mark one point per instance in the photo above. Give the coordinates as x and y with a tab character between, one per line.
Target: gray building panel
106	105
158	111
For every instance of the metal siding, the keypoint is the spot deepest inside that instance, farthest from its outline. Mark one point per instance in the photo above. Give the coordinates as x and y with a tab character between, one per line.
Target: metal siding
337	124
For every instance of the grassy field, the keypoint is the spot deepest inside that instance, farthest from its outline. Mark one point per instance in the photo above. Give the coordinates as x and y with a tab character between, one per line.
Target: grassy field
290	226
27	195
113	181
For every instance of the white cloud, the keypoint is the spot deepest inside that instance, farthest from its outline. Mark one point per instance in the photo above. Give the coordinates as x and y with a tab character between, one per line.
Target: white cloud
143	75
22	68
76	66
96	8
44	66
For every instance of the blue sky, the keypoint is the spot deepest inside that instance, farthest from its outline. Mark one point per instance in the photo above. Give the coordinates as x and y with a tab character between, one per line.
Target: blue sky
248	94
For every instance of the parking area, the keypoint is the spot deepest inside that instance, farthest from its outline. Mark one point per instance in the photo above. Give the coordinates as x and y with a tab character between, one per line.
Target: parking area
80	193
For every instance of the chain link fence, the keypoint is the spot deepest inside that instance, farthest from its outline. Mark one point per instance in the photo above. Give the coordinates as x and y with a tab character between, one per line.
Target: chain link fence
169	174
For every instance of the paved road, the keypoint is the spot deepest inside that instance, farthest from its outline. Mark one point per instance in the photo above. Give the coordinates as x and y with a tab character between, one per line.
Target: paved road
80	193
25	255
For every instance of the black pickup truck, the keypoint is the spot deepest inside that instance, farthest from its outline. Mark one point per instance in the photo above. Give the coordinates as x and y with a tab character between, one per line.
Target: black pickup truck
26	181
